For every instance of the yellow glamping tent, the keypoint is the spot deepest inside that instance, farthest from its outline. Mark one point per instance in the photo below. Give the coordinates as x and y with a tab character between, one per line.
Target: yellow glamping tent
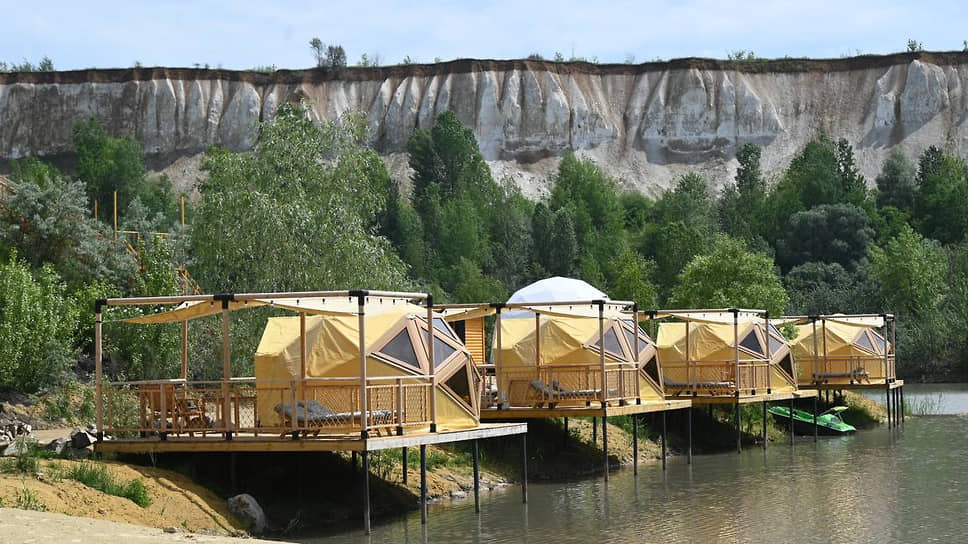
839	349
548	348
719	352
397	367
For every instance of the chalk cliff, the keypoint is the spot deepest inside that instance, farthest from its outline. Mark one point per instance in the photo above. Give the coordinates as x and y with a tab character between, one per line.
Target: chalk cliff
645	124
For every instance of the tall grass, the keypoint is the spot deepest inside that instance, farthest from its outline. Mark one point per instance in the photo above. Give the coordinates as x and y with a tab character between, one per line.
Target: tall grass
97	476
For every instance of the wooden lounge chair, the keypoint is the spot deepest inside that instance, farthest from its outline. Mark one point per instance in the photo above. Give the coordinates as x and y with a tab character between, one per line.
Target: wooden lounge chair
857	374
314	415
710	386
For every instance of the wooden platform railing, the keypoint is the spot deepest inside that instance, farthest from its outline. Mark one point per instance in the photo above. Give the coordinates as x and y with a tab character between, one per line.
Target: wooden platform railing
324	406
849	369
717	377
572	383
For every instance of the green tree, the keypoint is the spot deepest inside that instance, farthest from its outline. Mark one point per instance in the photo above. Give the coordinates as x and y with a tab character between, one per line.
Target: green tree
107	164
910	273
47	221
941	210
37	327
853	185
633	279
730	276
826	288
319	50
741	203
896	184
831	233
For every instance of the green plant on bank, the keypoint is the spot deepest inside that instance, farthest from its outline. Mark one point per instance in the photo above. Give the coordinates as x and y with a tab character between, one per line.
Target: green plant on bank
98	476
27	499
924	406
72	401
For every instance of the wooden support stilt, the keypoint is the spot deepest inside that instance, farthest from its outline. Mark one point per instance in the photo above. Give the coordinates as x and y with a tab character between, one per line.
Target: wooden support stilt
366	492
888	393
689	432
635	444
477	479
664	440
423	484
406	465
815	432
524	468
605	446
791	422
565	442
594	430
765	439
901	391
739	430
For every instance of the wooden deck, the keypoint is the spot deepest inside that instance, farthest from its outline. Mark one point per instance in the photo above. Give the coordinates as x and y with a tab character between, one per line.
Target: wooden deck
853	386
750	399
507	414
244	443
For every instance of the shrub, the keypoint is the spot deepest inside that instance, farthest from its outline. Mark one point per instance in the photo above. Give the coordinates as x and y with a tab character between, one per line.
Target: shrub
36	327
97	476
28	500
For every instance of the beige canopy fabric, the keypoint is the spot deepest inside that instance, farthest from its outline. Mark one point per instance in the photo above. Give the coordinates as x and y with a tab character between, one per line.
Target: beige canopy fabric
714	316
395	347
463	314
574	340
841	352
713	344
337	306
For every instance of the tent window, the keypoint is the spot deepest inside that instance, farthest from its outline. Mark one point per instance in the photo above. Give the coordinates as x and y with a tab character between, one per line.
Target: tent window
878	341
775	331
401	349
611	342
864	342
442	350
652	369
630	336
787	365
441	326
775	345
459	385
752	343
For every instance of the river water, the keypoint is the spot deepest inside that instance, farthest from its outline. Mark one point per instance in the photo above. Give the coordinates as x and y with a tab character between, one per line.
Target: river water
909	485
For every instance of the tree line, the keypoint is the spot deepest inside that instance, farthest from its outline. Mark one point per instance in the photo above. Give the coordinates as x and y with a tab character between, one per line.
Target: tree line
312	206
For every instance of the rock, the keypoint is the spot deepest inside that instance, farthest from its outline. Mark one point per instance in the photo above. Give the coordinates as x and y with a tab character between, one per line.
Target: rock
75	453
458	494
170	530
58	445
80	439
17	447
247	509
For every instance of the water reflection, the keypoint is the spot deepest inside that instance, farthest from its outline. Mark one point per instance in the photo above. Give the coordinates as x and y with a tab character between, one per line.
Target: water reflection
872	486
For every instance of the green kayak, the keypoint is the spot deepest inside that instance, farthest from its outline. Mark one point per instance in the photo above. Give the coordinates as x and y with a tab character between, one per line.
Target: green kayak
828	422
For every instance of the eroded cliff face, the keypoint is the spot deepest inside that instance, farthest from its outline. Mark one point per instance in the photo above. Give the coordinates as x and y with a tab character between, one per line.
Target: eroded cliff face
644	124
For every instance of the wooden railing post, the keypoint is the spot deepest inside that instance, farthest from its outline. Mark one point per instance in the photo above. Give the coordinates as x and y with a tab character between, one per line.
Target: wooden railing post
886	374
163	409
294	406
433	366
769	357
499	358
400	416
98	376
601	352
736	348
361	316
226	369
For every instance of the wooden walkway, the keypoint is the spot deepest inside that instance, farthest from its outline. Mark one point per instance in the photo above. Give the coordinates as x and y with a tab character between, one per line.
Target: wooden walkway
351	443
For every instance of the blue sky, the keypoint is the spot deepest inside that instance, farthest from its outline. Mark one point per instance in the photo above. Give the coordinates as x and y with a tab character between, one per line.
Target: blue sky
241	34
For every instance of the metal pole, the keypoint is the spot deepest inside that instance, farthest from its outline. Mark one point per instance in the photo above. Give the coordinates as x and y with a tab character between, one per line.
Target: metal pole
815	419
765	440
302	357
791	421
227	372
477	479
406	466
433	365
361	323
739	430
524	468
736	355
184	350
423	484
635	444
601	352
901	390
664	440
769	358
887	391
499	360
98	376
605	445
816	355
566	431
366	492
689	432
